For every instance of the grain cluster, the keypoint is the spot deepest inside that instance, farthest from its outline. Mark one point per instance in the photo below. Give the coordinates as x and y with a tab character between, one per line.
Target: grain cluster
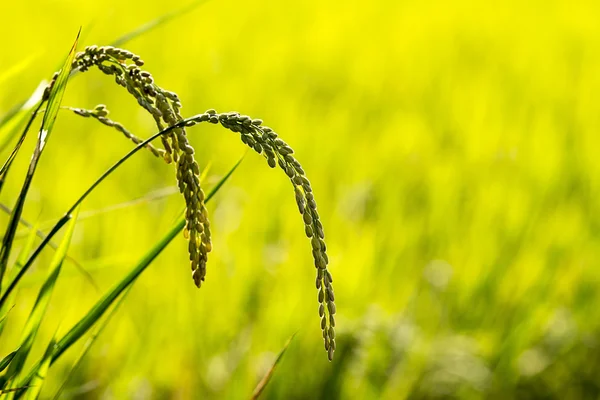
164	106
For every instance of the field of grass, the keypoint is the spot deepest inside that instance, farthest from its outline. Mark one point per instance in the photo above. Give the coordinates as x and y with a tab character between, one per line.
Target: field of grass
453	148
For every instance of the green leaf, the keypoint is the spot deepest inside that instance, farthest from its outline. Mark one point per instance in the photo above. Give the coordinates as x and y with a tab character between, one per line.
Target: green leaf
36	231
65	218
39	309
12	391
15	127
12	121
54	100
86	348
265	380
26	249
88	320
4	317
6	360
11	273
36	383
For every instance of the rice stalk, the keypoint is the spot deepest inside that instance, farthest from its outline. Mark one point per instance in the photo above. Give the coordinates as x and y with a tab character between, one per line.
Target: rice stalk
32	232
39	309
98	310
53	95
164	106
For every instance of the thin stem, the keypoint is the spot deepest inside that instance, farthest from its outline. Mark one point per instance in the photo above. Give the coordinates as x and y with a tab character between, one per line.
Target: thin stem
67	216
7	241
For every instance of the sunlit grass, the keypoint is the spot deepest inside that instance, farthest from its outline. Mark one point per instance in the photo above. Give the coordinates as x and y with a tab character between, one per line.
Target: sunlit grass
453	148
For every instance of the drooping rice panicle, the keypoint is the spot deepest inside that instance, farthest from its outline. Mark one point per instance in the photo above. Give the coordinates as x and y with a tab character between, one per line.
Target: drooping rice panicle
165	107
277	152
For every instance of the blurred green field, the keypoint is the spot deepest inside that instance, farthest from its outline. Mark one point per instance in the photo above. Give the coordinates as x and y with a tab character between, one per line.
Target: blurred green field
453	149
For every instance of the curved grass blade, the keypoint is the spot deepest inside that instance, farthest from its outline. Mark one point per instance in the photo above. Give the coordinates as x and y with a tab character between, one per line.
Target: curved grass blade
155	195
54	100
6	360
98	310
16	117
147	27
36	383
13	390
265	380
99	329
36	231
3	320
20	260
25	250
68	215
7	164
39	309
105	302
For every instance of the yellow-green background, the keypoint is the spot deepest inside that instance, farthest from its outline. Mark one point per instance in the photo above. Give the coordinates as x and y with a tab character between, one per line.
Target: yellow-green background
454	152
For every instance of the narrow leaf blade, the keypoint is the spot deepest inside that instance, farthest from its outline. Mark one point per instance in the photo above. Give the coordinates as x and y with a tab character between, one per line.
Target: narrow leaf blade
6	360
86	348
35	387
41	304
267	378
54	100
105	302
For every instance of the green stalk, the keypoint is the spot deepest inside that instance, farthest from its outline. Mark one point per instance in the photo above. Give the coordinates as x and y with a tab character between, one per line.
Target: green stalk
106	301
68	215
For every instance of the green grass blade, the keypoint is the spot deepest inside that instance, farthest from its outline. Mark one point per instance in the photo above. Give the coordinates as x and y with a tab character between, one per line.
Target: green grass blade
3	320
25	250
36	231
6	360
101	306
105	302
98	310
13	120
156	23
86	348
41	304
35	387
267	378
7	164
12	391
65	218
54	100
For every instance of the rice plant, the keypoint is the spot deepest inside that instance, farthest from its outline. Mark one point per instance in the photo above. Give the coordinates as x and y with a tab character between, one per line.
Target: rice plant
125	68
